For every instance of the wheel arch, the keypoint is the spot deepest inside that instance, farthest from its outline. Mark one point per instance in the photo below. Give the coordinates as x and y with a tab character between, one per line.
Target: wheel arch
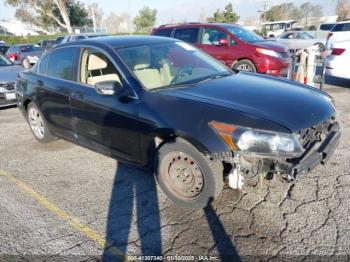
26	103
165	136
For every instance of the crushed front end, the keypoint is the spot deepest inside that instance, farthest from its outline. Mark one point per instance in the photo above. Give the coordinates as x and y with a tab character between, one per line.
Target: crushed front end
312	146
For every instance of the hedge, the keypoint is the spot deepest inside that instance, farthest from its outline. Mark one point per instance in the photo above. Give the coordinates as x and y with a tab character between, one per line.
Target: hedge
34	39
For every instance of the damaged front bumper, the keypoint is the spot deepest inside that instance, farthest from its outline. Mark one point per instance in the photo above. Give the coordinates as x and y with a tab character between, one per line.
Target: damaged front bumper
319	143
320	155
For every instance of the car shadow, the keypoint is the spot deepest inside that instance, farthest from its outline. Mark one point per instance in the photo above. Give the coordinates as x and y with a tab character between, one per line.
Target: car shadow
134	219
134	201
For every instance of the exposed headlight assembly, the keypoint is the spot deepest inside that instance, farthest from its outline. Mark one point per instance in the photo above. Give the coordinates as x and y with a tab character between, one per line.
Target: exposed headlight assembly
258	142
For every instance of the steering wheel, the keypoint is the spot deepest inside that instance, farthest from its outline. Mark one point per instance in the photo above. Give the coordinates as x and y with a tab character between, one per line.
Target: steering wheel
183	71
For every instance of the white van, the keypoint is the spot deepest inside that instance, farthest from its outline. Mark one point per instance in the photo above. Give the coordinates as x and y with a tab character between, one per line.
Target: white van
277	28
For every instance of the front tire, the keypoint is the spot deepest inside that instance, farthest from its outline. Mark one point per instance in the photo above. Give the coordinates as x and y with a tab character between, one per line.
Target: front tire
245	65
38	125
187	177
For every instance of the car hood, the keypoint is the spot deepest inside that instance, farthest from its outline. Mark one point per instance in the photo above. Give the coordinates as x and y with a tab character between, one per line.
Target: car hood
284	102
273	45
9	73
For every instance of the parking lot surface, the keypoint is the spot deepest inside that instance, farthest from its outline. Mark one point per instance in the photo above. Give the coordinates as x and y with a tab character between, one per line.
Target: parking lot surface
59	201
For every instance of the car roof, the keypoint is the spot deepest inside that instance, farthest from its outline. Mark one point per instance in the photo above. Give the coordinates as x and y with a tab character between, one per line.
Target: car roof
279	22
122	41
195	24
344	22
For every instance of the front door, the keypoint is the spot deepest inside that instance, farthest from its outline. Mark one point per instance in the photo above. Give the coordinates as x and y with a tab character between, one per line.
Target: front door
209	43
105	123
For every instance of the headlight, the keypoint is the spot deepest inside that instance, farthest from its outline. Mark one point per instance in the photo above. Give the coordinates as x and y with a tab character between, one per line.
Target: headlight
259	142
268	52
3	90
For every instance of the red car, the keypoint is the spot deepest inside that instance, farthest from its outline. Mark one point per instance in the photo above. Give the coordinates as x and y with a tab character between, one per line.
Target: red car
233	45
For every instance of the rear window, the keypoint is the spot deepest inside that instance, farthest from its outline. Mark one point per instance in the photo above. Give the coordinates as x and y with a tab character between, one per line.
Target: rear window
27	48
189	35
326	27
61	63
164	32
341	27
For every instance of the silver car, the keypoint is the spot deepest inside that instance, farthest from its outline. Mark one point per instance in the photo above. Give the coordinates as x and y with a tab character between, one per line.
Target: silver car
8	75
297	40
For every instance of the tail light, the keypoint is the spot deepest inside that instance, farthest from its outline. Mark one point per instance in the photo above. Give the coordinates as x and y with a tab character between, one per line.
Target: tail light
337	51
12	56
329	35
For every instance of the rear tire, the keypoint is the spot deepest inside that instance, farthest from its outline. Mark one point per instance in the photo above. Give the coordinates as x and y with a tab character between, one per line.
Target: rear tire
38	125
187	177
245	65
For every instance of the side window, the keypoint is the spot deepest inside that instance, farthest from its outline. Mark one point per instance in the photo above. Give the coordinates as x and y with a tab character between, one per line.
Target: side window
164	32
211	36
61	63
189	35
96	67
42	68
287	36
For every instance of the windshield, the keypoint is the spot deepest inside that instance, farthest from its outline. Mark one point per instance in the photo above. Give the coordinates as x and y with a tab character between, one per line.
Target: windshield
4	61
29	48
170	64
243	34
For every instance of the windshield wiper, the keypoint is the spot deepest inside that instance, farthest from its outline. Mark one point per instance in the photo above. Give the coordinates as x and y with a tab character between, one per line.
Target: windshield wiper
212	77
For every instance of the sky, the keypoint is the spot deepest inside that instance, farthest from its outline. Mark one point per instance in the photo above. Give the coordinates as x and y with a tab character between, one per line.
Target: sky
170	11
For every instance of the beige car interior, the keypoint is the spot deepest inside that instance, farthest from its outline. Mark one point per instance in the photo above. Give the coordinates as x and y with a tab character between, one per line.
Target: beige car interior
151	75
97	68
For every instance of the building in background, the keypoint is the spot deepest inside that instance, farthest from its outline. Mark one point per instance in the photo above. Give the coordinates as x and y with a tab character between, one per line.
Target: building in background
18	28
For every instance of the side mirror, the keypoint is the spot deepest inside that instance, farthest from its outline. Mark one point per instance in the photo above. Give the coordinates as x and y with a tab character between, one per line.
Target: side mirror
223	41
108	88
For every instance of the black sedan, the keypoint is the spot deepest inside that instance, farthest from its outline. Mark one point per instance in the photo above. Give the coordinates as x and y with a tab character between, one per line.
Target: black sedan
161	103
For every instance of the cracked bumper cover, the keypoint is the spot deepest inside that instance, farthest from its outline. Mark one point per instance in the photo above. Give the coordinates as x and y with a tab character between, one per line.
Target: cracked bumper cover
320	155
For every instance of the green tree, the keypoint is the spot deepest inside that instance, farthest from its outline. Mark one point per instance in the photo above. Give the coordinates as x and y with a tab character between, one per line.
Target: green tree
308	11
34	9
77	13
343	10
146	19
47	13
225	16
283	12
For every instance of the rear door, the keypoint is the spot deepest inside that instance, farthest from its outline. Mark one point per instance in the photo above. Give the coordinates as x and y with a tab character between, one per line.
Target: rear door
107	123
54	84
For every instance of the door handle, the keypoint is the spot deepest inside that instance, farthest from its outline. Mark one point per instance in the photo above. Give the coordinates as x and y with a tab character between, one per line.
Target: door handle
39	83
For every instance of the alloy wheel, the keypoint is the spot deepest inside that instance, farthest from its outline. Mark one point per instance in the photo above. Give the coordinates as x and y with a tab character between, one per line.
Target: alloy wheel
245	67
36	123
